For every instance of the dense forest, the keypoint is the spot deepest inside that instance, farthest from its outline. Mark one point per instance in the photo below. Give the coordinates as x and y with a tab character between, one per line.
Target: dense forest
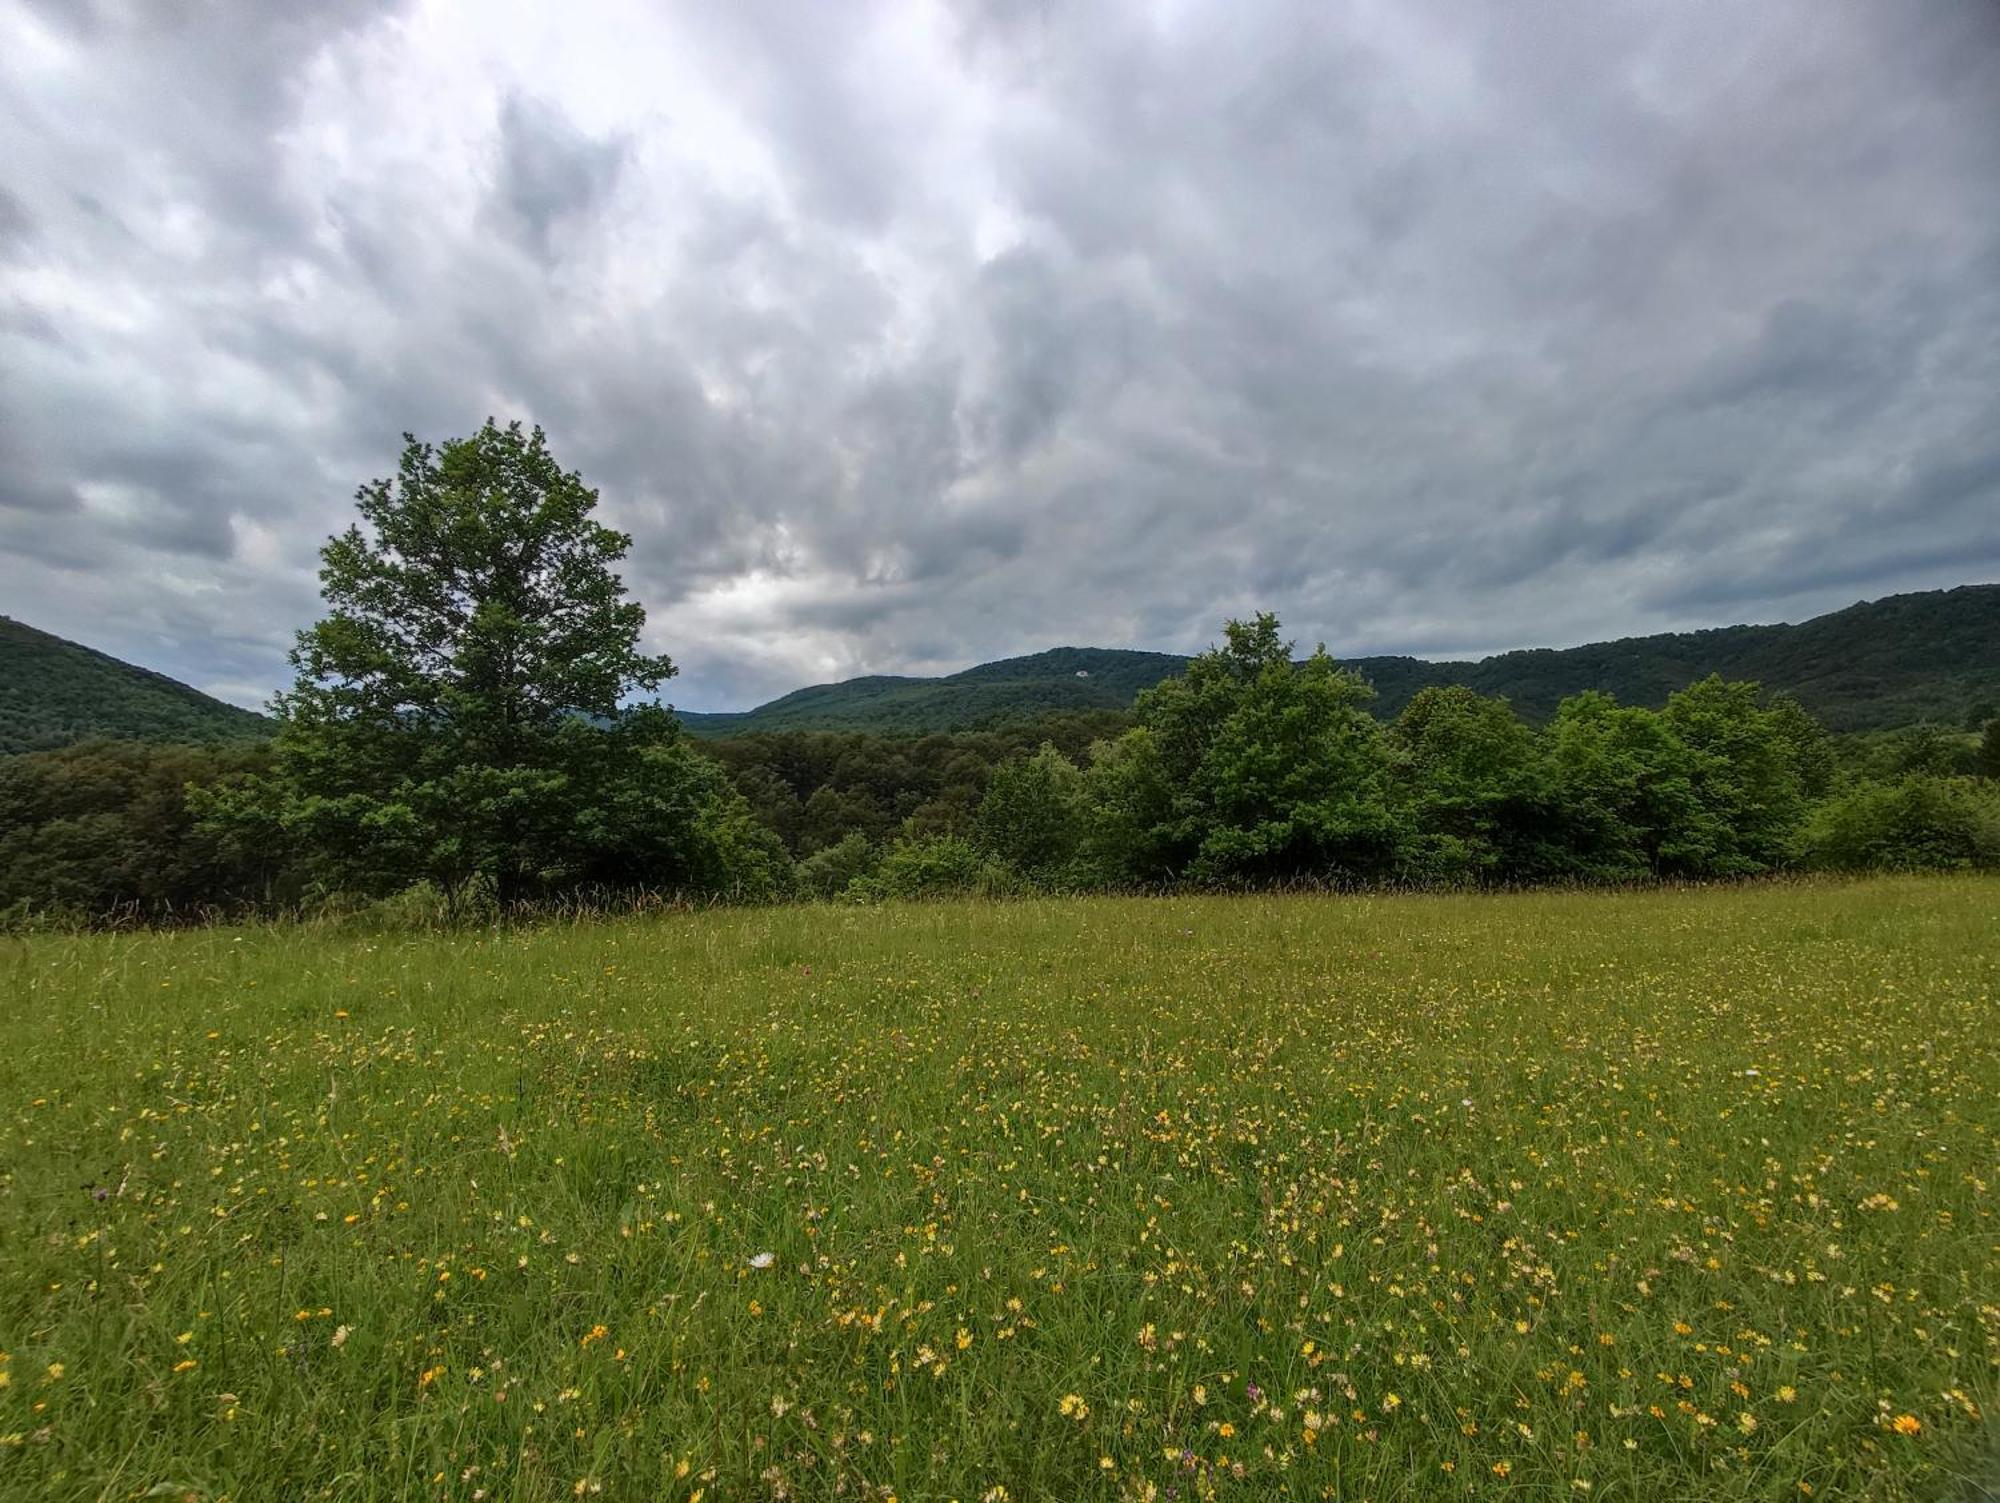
1063	680
55	692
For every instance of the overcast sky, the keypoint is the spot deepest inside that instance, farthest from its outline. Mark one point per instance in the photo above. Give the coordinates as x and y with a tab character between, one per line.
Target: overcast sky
906	336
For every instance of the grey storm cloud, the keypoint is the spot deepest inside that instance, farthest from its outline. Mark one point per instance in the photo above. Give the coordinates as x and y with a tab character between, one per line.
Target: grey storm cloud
17	226
550	172
905	335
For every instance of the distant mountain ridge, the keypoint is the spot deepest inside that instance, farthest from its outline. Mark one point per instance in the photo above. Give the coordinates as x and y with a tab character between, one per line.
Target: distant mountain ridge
55	692
1932	655
1043	683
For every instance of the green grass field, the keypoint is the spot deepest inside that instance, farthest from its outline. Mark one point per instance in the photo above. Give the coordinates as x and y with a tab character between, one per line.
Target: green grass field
1638	1196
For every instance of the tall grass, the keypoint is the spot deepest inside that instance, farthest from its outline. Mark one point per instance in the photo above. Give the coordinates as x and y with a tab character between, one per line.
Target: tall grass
1676	1194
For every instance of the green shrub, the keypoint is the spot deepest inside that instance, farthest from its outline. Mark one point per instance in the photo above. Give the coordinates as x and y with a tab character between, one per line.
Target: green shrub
828	873
935	866
425	905
1918	823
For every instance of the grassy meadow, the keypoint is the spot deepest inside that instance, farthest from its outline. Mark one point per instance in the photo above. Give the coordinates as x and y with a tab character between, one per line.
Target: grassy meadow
1680	1194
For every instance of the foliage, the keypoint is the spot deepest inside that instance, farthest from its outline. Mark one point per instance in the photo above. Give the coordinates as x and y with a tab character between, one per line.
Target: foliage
1032	816
991	696
816	787
677	824
1930	655
1128	815
831	870
425	905
1885	756
1091	1200
1271	768
1744	767
1807	749
1897	661
458	714
1250	768
1474	781
102	828
1621	785
1919	823
934	866
55	693
1932	751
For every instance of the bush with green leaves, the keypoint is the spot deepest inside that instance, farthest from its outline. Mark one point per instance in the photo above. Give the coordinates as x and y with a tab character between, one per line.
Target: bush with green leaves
1712	786
935	866
1743	764
104	826
1917	823
831	870
1251	767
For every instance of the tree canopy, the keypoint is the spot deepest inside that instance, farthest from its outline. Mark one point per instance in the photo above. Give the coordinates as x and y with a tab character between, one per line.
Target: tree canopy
459	713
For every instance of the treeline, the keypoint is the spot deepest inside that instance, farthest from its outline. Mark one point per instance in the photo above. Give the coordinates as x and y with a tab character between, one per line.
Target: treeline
1249	769
1253	769
461	735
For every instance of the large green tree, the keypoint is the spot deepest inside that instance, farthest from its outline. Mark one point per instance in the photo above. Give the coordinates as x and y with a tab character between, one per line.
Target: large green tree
1745	765
1032	815
1249	766
1473	782
459	712
1625	788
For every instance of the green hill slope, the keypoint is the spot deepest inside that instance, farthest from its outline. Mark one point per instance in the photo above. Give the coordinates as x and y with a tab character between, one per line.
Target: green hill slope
54	692
1044	683
1895	661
